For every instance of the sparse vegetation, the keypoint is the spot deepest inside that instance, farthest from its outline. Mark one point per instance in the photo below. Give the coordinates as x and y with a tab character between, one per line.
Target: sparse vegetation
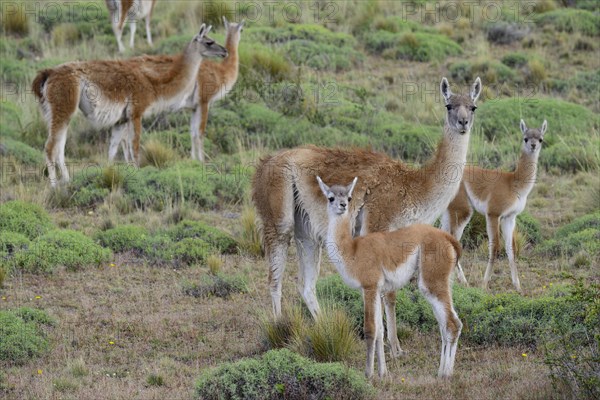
155	274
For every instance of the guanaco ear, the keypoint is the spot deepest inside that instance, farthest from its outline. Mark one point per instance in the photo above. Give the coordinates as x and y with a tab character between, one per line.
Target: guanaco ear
445	89
202	32
476	89
350	187
241	25
523	127
544	127
323	186
225	22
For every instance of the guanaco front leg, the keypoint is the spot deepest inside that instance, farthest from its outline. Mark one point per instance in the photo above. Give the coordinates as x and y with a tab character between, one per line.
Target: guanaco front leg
493	233
508	228
137	133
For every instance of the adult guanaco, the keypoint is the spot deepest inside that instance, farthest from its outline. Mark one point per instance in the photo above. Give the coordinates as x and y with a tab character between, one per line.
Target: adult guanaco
115	93
389	195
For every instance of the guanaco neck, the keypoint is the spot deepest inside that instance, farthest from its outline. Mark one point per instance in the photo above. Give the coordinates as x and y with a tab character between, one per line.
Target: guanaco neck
525	172
442	174
182	74
339	239
231	62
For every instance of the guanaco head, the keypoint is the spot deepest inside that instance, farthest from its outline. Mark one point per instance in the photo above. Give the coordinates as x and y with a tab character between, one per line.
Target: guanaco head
338	197
203	46
533	137
233	31
461	108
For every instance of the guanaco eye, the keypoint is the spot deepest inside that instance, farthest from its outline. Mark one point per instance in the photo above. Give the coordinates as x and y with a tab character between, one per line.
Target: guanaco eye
541	140
331	199
349	199
473	108
526	140
448	107
209	43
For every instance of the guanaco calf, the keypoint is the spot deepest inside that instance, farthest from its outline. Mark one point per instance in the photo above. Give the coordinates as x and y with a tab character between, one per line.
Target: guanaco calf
500	196
129	10
382	262
115	93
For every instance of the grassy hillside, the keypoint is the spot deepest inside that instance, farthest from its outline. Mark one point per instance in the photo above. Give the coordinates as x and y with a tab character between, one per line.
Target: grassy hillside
149	283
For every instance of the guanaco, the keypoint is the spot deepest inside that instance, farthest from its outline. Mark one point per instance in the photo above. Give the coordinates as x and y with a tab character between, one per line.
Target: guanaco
383	262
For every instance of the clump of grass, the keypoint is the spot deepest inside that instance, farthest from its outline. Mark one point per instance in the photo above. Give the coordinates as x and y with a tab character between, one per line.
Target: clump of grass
15	23
65	34
214	264
157	154
537	72
111	178
155	380
249	239
219	285
332	337
287	331
282	374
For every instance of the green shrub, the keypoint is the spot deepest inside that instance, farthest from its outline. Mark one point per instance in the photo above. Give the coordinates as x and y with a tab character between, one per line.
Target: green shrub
22	335
310	32
191	251
22	153
11	243
515	60
323	56
530	227
282	374
27	219
67	248
332	337
202	184
219	285
414	46
124	238
489	71
503	32
262	62
571	20
583	234
15	23
213	236
505	319
572	353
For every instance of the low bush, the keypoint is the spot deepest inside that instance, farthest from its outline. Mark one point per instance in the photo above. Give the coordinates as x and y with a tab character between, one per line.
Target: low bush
219	285
503	32
124	238
282	374
505	319
15	23
573	354
11	243
583	234
213	236
530	227
515	60
22	334
490	71
322	57
414	46
25	218
67	248
191	250
249	238
22	153
571	20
